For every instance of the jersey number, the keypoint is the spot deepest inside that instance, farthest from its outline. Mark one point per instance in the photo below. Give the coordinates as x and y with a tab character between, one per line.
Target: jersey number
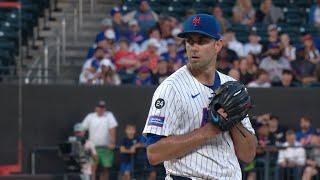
159	103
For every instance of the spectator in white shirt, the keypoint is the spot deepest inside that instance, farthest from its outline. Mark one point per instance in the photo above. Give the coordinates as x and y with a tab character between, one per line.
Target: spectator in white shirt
101	125
89	69
232	43
262	81
288	51
253	46
293	157
107	73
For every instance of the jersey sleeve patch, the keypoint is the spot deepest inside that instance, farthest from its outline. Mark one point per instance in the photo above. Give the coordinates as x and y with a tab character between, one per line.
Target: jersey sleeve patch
156	121
159	103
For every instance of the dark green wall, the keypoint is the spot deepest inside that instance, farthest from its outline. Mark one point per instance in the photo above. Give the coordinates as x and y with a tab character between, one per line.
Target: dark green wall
49	112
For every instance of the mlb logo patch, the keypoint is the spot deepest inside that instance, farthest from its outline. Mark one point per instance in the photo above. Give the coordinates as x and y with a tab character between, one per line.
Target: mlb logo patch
156	121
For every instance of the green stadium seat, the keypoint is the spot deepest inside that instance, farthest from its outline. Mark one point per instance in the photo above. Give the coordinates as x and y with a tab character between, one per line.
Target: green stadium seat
6	60
208	3
288	28
227	3
227	12
309	29
200	7
303	3
294	16
176	9
242	37
280	3
240	28
8	46
256	4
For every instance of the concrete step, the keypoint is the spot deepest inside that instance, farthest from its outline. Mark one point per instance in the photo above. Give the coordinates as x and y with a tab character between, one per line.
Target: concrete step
76	54
88	39
75	62
87	9
88	1
96	14
38	43
79	44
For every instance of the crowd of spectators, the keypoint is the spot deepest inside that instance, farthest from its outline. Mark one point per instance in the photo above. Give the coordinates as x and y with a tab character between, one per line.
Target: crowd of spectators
289	154
141	48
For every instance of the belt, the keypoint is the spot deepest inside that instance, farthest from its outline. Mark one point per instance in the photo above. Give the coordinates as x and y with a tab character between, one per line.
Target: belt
179	177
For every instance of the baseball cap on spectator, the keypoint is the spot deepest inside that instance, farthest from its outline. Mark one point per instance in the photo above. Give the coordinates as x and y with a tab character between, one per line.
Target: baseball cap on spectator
110	34
272	27
100	38
153	42
115	10
106	22
307	37
144	69
203	24
133	22
176	31
78	127
101	104
107	63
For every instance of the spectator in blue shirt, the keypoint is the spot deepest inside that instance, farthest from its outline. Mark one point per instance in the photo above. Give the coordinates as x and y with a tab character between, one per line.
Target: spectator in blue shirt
314	14
306	131
119	26
135	35
128	147
174	58
145	16
143	77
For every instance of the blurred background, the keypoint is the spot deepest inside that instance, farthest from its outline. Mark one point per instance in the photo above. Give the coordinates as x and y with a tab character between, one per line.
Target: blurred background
60	58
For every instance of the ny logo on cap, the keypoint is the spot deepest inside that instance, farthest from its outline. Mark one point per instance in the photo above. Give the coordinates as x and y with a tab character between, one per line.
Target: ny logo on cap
196	21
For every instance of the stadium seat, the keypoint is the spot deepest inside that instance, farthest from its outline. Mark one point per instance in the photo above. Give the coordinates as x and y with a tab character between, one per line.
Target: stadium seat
303	3
240	28
256	4
8	45
6	60
293	16
176	9
287	28
309	29
280	3
227	11
208	3
200	7
228	3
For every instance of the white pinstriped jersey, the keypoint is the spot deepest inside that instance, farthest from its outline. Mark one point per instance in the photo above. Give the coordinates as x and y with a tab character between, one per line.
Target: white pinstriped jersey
178	107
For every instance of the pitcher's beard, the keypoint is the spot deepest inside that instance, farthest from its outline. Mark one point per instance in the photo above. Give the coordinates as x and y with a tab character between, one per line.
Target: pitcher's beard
197	67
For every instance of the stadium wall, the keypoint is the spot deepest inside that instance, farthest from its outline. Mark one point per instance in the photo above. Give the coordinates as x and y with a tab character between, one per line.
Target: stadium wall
49	113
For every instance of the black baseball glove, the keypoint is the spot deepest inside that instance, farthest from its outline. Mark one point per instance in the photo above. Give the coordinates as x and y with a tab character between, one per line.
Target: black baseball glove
234	99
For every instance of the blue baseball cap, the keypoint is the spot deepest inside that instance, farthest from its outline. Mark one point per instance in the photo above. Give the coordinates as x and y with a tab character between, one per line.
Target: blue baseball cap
203	24
115	10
